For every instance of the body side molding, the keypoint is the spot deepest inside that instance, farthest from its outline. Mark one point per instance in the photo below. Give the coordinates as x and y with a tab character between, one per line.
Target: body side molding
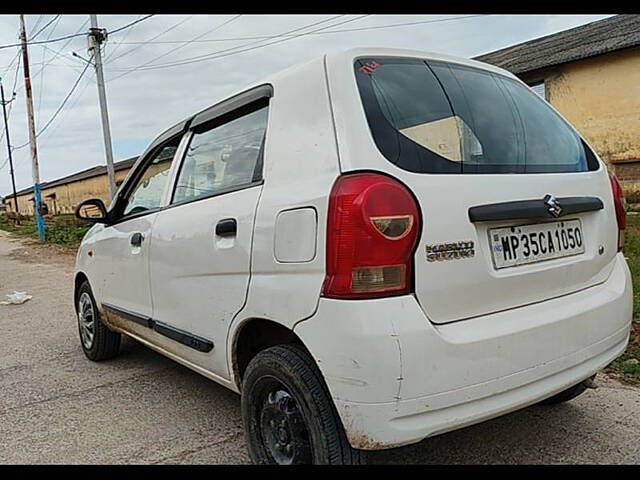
186	338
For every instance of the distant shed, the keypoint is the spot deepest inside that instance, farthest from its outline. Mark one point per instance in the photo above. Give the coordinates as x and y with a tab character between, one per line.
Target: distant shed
62	195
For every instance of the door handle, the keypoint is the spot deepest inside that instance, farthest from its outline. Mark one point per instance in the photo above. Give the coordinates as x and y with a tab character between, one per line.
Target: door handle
227	227
136	239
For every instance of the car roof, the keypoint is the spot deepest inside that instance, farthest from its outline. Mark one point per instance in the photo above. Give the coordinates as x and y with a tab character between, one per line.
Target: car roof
351	54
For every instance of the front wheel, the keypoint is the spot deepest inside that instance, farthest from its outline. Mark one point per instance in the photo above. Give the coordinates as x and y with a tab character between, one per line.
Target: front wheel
98	342
288	415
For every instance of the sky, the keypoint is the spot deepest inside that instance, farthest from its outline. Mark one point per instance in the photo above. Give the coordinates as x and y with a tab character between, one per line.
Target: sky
143	101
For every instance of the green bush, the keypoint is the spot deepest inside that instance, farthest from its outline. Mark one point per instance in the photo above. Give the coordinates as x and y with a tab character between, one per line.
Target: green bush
61	229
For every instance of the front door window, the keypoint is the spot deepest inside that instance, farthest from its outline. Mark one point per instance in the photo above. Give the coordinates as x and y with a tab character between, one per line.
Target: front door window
148	190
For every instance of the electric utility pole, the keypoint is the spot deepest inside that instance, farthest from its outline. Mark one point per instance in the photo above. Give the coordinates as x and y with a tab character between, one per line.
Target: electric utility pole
32	132
6	127
6	130
96	37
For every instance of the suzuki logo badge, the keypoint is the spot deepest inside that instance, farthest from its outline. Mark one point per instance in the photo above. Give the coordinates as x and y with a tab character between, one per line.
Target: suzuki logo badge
554	206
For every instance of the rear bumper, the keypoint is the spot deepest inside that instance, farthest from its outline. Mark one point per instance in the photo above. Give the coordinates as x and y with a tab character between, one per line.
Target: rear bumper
396	378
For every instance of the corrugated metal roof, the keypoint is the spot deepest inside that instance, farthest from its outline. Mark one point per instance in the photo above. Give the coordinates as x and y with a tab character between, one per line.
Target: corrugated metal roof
83	175
596	38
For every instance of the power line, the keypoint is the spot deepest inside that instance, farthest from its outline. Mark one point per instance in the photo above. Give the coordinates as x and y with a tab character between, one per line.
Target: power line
69	108
57	54
131	24
39	19
15	82
44	53
117	45
143	43
217	27
73	88
75	85
43	41
15	79
44	63
73	35
288	32
197	58
406	24
264	37
76	99
220	53
13	89
17	55
70	62
46	25
87	65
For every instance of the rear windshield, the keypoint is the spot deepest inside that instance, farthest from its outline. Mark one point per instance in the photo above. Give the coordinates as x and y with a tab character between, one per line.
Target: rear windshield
433	117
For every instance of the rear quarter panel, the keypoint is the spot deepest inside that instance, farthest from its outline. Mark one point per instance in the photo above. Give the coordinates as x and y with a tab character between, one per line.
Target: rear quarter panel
300	166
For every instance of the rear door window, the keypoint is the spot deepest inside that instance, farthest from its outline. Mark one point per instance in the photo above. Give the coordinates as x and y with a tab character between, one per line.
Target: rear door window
223	158
433	117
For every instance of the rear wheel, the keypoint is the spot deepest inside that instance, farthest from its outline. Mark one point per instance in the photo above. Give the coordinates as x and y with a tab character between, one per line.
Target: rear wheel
288	415
98	342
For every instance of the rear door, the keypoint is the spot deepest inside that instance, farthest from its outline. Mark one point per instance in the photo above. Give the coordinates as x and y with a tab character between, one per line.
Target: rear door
516	208
201	245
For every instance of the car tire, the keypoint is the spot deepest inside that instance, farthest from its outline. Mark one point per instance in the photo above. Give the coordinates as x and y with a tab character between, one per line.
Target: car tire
565	395
97	341
288	414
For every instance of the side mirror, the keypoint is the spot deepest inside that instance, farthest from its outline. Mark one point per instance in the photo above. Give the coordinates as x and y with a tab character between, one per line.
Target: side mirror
92	210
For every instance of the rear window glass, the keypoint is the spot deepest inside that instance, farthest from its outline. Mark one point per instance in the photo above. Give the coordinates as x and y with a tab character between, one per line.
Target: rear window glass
433	117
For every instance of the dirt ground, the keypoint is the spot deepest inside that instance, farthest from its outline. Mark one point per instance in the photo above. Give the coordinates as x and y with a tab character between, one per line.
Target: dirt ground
58	407
33	251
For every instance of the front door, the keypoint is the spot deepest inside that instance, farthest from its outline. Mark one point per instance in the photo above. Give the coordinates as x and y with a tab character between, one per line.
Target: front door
125	243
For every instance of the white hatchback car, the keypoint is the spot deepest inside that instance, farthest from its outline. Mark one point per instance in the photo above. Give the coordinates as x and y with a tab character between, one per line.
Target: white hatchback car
372	248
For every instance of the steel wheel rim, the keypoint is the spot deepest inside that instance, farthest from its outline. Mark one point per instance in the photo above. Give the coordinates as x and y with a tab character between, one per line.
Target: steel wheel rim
86	320
283	429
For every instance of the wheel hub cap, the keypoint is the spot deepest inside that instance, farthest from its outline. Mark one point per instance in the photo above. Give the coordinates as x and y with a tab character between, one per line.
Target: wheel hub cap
284	431
86	320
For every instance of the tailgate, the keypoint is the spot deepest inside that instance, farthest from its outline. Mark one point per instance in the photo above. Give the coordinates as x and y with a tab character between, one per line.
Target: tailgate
450	288
483	156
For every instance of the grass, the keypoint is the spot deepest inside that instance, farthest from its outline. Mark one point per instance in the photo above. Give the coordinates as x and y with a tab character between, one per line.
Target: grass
62	230
632	252
627	366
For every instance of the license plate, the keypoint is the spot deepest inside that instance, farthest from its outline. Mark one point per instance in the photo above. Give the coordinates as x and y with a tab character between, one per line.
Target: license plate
512	246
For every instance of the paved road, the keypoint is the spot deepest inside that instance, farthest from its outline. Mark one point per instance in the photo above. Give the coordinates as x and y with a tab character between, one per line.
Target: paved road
58	407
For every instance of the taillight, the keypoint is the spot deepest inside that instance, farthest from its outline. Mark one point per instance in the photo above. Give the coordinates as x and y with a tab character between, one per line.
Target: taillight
619	203
372	229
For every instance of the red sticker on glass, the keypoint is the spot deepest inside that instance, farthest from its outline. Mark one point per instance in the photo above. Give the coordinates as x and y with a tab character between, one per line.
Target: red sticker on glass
369	67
